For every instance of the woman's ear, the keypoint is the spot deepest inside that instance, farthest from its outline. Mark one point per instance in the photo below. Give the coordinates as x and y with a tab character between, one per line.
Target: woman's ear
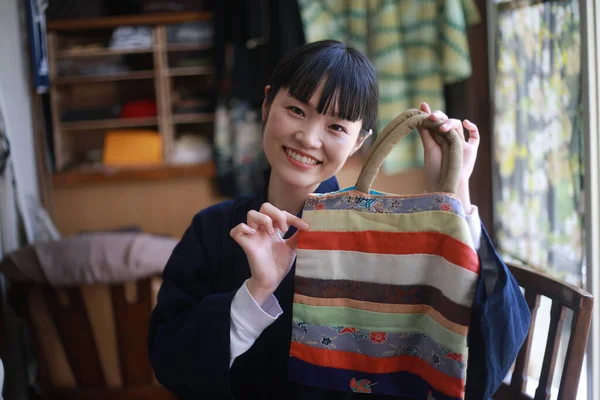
361	140
266	105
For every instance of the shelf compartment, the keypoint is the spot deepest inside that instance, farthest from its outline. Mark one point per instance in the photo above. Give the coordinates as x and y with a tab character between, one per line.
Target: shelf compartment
132	75
102	52
102	175
198	118
108	124
190	71
188	47
165	18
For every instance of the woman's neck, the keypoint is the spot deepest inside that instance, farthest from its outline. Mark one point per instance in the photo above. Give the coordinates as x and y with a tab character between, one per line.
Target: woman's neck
286	197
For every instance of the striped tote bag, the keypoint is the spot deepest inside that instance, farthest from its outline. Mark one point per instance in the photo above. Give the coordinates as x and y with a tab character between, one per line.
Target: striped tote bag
384	284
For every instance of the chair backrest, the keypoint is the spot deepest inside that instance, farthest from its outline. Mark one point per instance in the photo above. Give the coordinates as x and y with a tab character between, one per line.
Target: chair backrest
563	297
90	340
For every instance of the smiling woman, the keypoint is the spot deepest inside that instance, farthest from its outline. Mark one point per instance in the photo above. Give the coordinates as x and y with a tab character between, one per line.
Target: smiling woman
319	109
225	306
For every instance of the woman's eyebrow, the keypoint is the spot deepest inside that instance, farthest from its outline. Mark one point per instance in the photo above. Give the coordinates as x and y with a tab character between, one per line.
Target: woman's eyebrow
333	111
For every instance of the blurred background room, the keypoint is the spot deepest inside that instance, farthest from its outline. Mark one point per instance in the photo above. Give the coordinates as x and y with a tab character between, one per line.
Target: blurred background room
121	119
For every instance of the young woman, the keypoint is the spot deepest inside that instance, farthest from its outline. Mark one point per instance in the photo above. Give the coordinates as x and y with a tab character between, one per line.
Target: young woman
222	324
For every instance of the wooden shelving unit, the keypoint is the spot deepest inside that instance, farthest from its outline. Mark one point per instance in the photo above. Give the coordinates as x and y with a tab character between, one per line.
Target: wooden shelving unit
190	71
187	47
125	76
108	124
155	19
155	79
85	176
193	118
101	52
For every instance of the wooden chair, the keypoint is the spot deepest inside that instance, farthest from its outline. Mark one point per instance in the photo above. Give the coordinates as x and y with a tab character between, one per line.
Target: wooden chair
90	340
563	296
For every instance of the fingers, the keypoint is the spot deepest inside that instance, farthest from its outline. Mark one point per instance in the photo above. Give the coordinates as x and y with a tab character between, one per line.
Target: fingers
282	219
297	222
240	232
426	138
473	131
270	218
453	124
257	220
276	215
448	125
438	115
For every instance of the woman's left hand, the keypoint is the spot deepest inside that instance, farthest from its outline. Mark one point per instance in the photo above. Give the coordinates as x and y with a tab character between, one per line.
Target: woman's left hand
433	152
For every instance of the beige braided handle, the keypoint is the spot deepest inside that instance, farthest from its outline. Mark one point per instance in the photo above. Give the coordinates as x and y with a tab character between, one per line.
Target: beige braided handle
401	126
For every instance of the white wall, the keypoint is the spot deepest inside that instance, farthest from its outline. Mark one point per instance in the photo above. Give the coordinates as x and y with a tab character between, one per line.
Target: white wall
16	97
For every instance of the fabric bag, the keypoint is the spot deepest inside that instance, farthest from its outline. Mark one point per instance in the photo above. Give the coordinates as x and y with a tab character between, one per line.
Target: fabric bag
384	284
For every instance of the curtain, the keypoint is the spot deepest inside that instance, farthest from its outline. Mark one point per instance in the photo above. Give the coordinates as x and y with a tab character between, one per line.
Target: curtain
416	46
537	138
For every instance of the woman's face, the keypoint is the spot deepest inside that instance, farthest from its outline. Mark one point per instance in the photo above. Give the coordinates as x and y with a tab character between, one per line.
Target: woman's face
305	148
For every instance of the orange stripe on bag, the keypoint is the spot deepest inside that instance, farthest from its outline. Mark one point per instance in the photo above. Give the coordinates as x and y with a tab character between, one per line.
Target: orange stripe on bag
378	242
375	365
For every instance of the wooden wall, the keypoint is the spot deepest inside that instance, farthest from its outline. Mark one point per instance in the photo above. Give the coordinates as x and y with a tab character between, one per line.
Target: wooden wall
162	207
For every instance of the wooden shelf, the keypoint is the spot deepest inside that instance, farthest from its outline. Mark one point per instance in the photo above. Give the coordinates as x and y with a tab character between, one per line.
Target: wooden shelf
132	75
103	175
129	20
108	124
193	118
102	52
187	47
189	71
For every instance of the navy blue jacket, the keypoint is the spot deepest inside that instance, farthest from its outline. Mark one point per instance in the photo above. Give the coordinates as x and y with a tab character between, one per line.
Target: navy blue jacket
188	339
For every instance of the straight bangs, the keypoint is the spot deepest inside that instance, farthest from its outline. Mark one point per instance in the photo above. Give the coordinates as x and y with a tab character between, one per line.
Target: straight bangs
350	88
347	93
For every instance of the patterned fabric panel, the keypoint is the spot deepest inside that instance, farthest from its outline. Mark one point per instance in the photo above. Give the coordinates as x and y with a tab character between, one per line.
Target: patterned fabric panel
403	309
381	344
380	322
376	244
376	203
379	366
384	285
385	294
456	283
440	222
403	384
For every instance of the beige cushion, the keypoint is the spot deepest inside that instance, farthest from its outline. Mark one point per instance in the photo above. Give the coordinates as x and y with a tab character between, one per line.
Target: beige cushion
90	258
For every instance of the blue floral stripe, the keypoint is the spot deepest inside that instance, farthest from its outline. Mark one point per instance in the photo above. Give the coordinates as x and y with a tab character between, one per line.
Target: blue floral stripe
380	203
379	344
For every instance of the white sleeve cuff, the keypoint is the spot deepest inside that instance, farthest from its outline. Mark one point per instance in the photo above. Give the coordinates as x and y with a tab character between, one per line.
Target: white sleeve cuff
249	320
472	217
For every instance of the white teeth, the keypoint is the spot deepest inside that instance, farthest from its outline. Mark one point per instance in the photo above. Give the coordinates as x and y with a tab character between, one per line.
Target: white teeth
299	158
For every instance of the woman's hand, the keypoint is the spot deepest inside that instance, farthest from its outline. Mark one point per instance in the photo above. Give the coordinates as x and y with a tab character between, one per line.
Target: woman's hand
433	152
269	255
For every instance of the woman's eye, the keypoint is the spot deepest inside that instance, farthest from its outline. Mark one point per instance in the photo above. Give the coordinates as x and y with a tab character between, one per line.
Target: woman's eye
338	128
296	110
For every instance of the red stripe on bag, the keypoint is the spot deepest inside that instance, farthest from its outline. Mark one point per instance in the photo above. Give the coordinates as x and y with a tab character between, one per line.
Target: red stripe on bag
378	242
378	365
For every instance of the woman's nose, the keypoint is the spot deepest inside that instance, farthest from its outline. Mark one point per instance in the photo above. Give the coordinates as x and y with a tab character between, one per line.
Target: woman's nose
310	138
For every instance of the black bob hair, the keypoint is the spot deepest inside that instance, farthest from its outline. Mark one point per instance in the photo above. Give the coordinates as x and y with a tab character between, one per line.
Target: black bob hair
350	80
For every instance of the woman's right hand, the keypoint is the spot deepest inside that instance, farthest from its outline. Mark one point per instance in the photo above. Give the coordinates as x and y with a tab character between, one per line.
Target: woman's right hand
269	255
